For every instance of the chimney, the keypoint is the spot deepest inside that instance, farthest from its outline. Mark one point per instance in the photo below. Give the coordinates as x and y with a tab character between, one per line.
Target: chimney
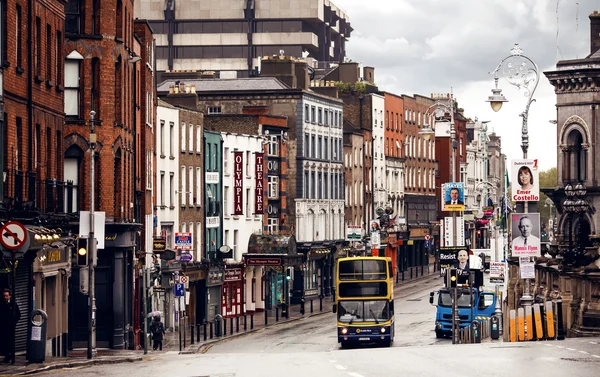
595	31
183	95
280	68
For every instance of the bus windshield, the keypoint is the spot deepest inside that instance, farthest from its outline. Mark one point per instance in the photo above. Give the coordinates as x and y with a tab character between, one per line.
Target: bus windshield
363	311
464	299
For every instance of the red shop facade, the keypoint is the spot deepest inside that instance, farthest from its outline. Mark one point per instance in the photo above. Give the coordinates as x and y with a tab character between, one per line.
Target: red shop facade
232	292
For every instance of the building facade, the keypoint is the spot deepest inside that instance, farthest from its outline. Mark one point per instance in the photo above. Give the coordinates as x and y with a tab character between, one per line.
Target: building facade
232	39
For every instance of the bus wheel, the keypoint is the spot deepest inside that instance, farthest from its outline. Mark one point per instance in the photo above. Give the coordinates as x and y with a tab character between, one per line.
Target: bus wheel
387	343
439	334
344	344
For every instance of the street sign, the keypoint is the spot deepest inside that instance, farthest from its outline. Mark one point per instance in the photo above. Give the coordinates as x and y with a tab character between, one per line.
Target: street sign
183	279
179	290
427	237
14	235
185	257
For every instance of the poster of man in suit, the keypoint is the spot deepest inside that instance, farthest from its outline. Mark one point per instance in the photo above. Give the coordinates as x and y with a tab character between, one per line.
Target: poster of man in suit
525	235
453	198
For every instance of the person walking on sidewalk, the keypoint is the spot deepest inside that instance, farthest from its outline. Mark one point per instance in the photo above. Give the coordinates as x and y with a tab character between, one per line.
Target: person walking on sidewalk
9	316
157	328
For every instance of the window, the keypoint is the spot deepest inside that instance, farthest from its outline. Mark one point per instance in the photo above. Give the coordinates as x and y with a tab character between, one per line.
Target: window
72	98
214	110
306	114
96	86
191	185
247	163
235	240
320	115
198	139
162	188
198	186
183	186
319	147
38	46
149	169
191	138
162	138
273	186
248	206
226	240
172	190
273	224
306	145
172	139
326	117
226	200
226	161
312	114
273	146
183	143
49	52
149	108
19	37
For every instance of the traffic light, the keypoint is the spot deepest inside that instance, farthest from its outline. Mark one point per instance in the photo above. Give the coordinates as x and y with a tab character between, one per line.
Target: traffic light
82	252
453	278
288	274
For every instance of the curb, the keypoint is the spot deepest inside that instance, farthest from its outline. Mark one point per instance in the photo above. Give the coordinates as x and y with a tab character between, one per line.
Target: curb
74	364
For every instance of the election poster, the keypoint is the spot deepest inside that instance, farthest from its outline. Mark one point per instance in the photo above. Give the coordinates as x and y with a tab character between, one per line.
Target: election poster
453	196
497	272
525	233
525	186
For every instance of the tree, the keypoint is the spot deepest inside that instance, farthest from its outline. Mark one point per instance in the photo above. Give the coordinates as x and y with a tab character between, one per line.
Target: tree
548	179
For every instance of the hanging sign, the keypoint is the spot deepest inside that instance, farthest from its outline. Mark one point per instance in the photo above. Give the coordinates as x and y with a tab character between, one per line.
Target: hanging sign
259	206
238	183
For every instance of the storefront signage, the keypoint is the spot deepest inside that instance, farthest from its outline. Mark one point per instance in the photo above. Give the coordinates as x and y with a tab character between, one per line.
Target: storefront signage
259	207
212	177
215	277
353	232
233	274
212	221
263	261
159	245
238	183
196	275
53	255
183	241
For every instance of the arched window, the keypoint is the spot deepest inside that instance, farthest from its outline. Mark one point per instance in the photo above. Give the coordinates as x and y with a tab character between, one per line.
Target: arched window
322	225
310	227
575	157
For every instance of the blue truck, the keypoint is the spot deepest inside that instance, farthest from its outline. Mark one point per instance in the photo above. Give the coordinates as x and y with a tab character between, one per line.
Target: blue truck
472	304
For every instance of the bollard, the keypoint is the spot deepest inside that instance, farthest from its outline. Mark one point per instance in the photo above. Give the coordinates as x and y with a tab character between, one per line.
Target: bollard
512	330
266	317
204	332
537	319
211	330
231	326
192	342
529	322
549	320
560	332
302	306
521	324
320	303
184	332
245	322
224	326
252	321
277	314
198	333
311	305
219	321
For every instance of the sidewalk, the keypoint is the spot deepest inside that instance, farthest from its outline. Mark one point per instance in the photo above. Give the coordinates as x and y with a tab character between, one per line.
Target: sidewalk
78	357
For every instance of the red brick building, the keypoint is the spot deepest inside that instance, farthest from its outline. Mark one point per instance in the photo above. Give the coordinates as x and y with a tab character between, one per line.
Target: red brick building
32	136
104	62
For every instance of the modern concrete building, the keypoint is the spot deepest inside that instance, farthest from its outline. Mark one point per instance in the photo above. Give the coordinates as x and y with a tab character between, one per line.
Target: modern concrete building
231	38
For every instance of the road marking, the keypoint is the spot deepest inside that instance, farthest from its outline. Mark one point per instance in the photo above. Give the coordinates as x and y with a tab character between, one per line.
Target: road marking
571	349
596	356
354	374
549	345
333	361
561	347
585	353
340	367
593	342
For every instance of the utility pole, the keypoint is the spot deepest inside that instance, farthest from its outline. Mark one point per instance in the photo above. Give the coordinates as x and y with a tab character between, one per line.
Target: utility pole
91	348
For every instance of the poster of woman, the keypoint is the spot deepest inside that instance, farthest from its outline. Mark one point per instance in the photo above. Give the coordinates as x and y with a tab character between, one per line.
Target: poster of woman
525	185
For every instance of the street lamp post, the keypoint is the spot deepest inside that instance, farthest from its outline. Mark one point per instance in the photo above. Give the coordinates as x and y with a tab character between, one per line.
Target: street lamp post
426	132
520	71
91	348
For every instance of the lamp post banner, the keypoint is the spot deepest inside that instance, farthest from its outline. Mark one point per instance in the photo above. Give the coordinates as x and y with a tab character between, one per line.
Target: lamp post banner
525	233
525	185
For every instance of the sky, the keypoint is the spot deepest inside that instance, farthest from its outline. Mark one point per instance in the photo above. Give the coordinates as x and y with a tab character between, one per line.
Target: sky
435	46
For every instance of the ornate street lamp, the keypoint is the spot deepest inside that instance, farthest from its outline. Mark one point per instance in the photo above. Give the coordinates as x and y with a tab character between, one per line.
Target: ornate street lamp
522	72
574	205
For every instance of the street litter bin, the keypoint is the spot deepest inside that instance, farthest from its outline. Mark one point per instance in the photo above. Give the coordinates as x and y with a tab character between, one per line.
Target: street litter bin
495	327
475	332
218	325
36	343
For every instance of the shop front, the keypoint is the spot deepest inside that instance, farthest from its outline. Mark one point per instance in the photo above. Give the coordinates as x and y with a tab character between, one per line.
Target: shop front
214	283
232	292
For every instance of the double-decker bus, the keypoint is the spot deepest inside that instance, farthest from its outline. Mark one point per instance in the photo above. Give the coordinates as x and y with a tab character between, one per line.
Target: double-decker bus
364	300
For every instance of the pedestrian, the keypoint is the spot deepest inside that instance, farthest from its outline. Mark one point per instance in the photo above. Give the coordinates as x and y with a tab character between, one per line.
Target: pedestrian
157	329
9	316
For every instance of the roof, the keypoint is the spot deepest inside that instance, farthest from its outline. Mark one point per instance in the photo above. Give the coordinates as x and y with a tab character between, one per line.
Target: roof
226	85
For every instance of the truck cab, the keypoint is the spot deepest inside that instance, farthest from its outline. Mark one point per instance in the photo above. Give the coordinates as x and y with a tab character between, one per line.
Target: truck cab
472	304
